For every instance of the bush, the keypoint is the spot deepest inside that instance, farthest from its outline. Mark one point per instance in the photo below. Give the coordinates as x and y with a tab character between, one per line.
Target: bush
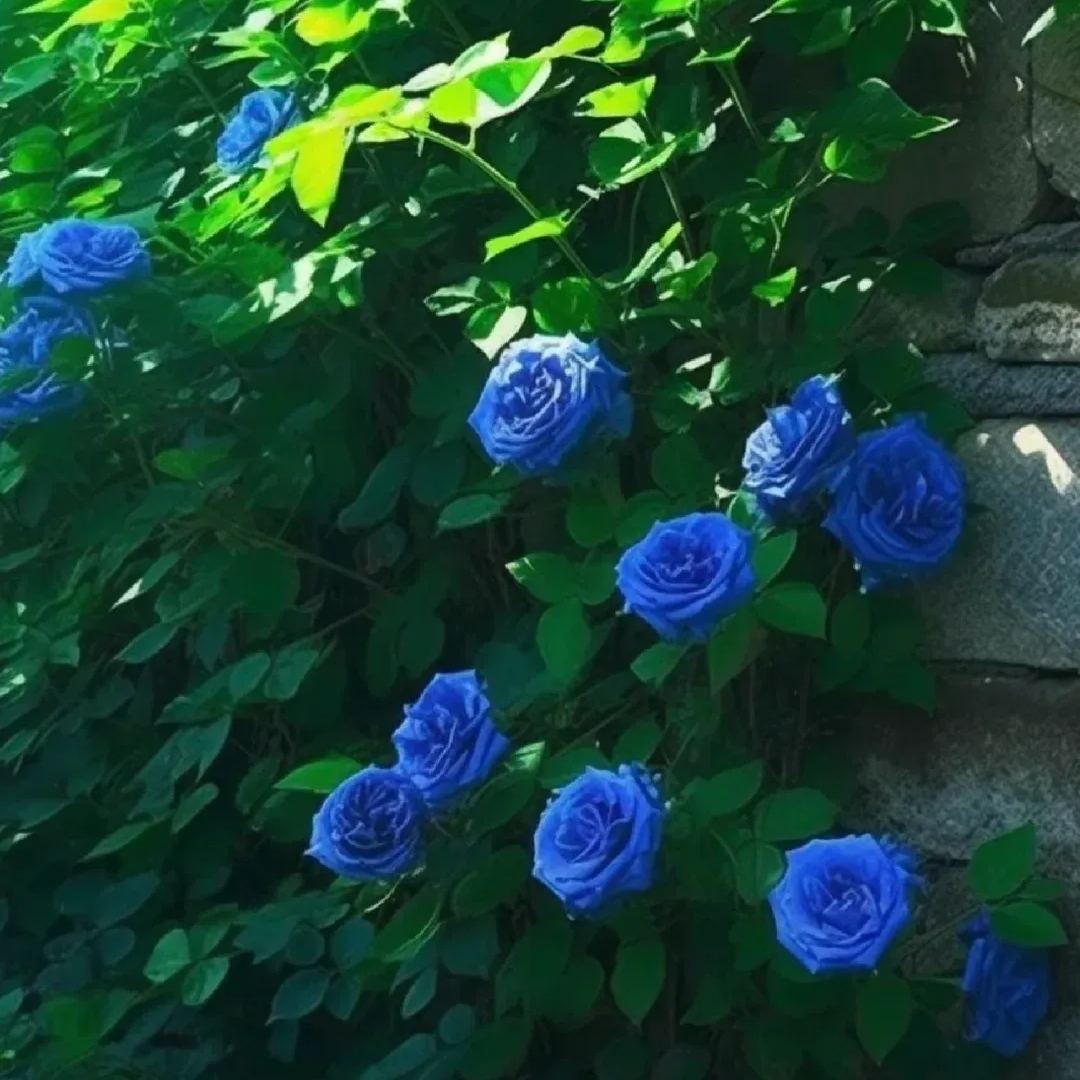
255	500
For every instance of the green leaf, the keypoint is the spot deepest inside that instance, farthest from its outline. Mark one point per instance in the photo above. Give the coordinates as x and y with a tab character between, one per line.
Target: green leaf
118	839
324	24
577	39
290	667
725	792
772	555
538	230
380	492
883	1010
657	662
471	510
637	743
191	463
850	625
563	638
549	577
1000	866
618	99
202	981
149	643
713	1001
502	799
170	955
758	868
638	978
568	764
411	927
494	882
590	518
497	1049
1026	923
421	642
192	805
794	815
301	993
320	776
420	993
776	289
878	43
562	305
437	473
264	581
457	1024
729	648
351	942
795	607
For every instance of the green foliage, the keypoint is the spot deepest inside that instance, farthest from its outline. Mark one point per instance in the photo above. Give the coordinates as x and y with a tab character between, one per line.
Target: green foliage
268	525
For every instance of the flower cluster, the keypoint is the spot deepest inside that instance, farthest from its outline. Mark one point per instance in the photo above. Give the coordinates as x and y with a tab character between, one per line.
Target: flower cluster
70	262
896	496
597	840
371	825
843	903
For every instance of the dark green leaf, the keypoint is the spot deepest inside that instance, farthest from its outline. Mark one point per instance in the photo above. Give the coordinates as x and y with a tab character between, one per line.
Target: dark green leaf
638	978
794	815
301	993
795	607
563	638
1000	866
883	1009
1028	923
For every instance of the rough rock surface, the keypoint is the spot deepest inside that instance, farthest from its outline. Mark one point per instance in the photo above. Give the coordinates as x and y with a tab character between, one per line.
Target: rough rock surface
940	322
982	766
1055	114
986	161
1030	309
988	388
1012	593
1039	238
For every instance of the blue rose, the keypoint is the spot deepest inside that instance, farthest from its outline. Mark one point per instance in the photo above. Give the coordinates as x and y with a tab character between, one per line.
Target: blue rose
800	451
262	115
1007	988
448	741
899	509
599	838
842	902
28	389
546	398
371	826
78	257
687	575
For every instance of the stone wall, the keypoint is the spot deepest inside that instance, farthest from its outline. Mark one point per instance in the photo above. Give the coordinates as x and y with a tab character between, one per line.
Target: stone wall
1004	621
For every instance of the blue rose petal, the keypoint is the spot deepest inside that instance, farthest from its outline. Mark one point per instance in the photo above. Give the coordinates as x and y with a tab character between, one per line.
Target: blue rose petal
842	902
687	575
1007	989
546	399
370	827
448	741
262	115
78	258
900	507
800	451
599	839
26	346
